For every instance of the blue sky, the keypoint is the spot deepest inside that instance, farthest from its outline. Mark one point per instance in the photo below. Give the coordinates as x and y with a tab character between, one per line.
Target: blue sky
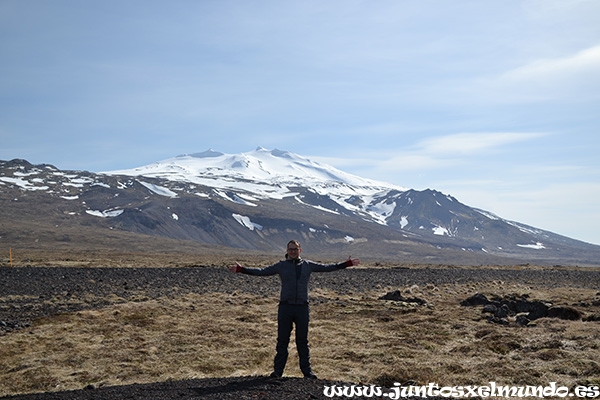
494	102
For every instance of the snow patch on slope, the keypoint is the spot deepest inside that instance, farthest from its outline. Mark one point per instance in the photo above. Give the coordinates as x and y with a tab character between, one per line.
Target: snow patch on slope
440	231
104	214
245	221
160	190
536	246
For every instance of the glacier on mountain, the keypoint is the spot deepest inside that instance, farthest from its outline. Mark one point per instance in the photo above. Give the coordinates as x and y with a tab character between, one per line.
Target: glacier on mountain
270	174
259	167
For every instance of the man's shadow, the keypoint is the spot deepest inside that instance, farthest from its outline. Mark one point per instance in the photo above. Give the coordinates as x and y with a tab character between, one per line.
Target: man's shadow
259	383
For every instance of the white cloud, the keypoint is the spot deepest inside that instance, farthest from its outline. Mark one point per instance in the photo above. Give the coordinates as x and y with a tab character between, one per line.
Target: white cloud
582	65
476	157
571	77
469	143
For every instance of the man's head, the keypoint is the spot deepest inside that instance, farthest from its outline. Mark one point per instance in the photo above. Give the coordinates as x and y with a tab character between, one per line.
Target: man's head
293	249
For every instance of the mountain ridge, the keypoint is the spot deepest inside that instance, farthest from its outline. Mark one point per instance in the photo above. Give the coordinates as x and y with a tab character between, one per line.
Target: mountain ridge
260	199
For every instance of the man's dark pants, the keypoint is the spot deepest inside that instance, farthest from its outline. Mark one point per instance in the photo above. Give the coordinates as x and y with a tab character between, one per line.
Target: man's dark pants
287	316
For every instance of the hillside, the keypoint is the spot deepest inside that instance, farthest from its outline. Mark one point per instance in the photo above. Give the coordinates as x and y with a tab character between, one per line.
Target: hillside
257	201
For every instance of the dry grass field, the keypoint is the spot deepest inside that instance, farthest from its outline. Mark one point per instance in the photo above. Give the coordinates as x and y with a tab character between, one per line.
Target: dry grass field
355	336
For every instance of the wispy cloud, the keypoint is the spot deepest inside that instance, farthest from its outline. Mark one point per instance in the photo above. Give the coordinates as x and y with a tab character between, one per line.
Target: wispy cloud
469	143
574	76
569	67
433	153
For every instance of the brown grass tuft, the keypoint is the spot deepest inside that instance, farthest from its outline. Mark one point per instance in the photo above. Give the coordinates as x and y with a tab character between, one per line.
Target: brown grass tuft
354	338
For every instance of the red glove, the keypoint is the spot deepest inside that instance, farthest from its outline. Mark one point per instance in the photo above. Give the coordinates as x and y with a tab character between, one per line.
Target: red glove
235	268
352	262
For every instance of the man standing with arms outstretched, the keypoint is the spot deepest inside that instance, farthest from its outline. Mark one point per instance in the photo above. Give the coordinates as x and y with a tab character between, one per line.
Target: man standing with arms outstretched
294	273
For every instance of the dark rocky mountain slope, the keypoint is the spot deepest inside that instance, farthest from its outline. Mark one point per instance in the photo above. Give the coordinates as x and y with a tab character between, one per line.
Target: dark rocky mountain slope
228	203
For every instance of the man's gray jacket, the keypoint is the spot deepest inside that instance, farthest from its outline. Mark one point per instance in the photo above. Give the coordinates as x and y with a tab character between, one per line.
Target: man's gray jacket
294	275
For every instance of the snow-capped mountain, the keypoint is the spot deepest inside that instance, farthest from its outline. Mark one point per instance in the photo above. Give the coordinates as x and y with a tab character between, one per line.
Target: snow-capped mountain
261	167
263	198
272	174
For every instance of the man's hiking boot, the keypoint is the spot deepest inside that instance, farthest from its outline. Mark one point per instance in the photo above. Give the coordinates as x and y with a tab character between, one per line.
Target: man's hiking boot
275	374
310	375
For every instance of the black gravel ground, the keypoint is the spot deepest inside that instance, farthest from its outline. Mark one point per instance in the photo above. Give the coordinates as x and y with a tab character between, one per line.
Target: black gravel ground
28	293
263	388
